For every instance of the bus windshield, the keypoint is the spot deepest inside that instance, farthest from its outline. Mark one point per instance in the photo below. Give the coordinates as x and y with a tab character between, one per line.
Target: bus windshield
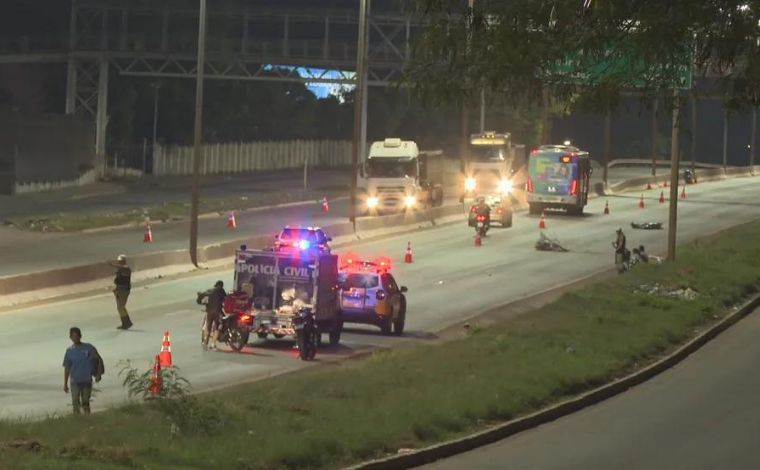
549	169
487	153
385	167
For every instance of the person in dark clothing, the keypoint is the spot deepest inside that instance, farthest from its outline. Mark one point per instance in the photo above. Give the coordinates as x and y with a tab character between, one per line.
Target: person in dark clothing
481	208
80	364
122	286
620	251
214	312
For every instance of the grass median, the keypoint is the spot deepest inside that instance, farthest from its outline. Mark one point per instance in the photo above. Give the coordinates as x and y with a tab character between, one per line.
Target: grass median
419	394
168	211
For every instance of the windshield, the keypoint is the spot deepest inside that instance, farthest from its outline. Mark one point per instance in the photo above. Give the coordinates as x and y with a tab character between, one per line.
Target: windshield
358	280
487	153
549	168
391	167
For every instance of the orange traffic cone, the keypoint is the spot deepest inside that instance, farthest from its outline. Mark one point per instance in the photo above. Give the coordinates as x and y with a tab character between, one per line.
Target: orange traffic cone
641	202
649	185
683	193
542	222
231	222
165	355
606	207
156	383
665	184
478	240
148	237
325	205
662	197
408	254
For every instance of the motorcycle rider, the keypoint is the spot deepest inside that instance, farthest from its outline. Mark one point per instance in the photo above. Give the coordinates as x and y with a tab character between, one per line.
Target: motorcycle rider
214	313
481	208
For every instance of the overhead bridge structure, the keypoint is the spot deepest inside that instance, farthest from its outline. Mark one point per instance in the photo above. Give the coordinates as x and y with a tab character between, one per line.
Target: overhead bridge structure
159	39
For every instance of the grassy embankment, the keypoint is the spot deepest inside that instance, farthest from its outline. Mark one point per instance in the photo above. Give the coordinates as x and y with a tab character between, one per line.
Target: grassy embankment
421	394
78	221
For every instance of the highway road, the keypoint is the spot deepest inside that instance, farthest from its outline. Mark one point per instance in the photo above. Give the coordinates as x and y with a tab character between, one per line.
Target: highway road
24	252
702	414
450	280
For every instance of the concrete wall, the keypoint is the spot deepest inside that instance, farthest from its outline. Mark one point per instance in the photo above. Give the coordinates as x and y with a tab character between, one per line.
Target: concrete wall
44	148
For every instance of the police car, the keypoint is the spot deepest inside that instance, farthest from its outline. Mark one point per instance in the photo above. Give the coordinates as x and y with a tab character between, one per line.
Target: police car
310	239
370	295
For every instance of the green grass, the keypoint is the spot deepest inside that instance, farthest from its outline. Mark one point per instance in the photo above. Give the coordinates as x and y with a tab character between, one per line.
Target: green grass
78	221
424	393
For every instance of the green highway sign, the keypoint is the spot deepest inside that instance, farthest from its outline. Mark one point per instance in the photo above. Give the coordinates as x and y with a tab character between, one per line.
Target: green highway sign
579	70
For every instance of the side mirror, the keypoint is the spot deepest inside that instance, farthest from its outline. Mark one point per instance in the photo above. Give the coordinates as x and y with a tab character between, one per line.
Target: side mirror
329	239
404	289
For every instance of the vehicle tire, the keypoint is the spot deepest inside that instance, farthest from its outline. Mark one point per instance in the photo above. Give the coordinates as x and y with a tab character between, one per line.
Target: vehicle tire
386	325
335	334
263	335
307	347
238	339
400	320
508	220
534	209
277	336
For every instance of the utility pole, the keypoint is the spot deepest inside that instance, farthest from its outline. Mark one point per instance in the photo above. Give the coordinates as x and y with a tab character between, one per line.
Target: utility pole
361	76
655	137
693	131
674	157
725	137
607	144
482	110
198	132
753	140
464	129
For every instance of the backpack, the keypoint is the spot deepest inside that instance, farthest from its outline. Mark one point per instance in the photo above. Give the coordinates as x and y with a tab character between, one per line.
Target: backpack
98	365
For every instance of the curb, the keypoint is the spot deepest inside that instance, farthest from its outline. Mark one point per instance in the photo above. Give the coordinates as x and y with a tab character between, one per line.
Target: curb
450	448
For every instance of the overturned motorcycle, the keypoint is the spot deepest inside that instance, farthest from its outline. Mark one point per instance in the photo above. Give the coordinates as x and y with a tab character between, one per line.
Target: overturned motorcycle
545	243
647	225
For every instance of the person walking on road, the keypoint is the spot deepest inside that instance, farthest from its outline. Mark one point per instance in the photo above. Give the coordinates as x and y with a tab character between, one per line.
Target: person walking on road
122	286
81	363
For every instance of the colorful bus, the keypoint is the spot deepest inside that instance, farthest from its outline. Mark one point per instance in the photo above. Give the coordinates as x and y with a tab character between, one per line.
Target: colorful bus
558	178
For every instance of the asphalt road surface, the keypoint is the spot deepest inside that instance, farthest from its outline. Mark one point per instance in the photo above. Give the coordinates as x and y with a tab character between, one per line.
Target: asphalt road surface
24	252
450	280
702	414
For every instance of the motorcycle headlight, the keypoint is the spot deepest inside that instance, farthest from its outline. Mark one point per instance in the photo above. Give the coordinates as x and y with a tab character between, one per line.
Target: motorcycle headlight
410	201
469	184
372	202
505	186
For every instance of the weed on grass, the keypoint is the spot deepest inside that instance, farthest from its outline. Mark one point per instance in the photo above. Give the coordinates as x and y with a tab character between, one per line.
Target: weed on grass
414	396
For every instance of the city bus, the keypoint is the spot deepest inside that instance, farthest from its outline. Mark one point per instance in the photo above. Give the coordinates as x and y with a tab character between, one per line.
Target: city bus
558	178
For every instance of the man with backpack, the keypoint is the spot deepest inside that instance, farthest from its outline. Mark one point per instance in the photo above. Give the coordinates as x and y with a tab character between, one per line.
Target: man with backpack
81	363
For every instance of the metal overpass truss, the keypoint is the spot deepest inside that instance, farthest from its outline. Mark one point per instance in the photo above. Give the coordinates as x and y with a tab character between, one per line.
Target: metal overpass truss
160	40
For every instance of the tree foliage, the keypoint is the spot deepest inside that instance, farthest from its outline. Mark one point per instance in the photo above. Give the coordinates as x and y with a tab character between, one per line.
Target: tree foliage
516	48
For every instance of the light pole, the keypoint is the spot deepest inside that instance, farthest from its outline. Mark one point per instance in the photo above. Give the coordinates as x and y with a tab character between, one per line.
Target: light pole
198	132
674	160
361	77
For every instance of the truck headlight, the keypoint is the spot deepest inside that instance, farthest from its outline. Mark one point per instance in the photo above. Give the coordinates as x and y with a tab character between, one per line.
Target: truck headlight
410	201
469	184
372	202
505	186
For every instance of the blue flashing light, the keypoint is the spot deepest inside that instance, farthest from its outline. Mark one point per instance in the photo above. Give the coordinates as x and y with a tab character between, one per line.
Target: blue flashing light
304	244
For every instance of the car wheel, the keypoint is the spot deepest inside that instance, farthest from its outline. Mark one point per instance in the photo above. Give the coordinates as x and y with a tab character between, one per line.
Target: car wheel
335	334
398	323
386	325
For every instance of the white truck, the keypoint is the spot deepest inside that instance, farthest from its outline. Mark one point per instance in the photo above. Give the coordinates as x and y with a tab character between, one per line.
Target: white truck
398	177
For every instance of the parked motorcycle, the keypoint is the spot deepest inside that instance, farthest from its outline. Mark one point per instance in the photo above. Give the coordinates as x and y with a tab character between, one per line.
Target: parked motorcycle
307	334
234	328
688	176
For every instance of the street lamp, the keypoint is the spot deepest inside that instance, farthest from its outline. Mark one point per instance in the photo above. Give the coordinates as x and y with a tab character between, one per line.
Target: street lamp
361	76
198	132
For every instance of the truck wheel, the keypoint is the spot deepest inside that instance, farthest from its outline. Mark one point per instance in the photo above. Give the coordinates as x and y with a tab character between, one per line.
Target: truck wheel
508	220
335	334
386	325
398	323
534	209
262	335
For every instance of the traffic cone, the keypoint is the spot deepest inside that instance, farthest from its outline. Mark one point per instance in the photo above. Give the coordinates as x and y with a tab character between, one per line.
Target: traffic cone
641	202
606	207
649	186
166	351
478	240
662	197
542	222
148	237
683	193
231	222
665	184
408	254
156	383
325	205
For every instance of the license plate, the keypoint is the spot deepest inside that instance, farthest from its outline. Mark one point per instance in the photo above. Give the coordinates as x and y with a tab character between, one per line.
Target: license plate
480	224
552	189
354	303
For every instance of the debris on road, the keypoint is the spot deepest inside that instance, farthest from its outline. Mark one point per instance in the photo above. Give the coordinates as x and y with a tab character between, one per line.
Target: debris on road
545	243
647	225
